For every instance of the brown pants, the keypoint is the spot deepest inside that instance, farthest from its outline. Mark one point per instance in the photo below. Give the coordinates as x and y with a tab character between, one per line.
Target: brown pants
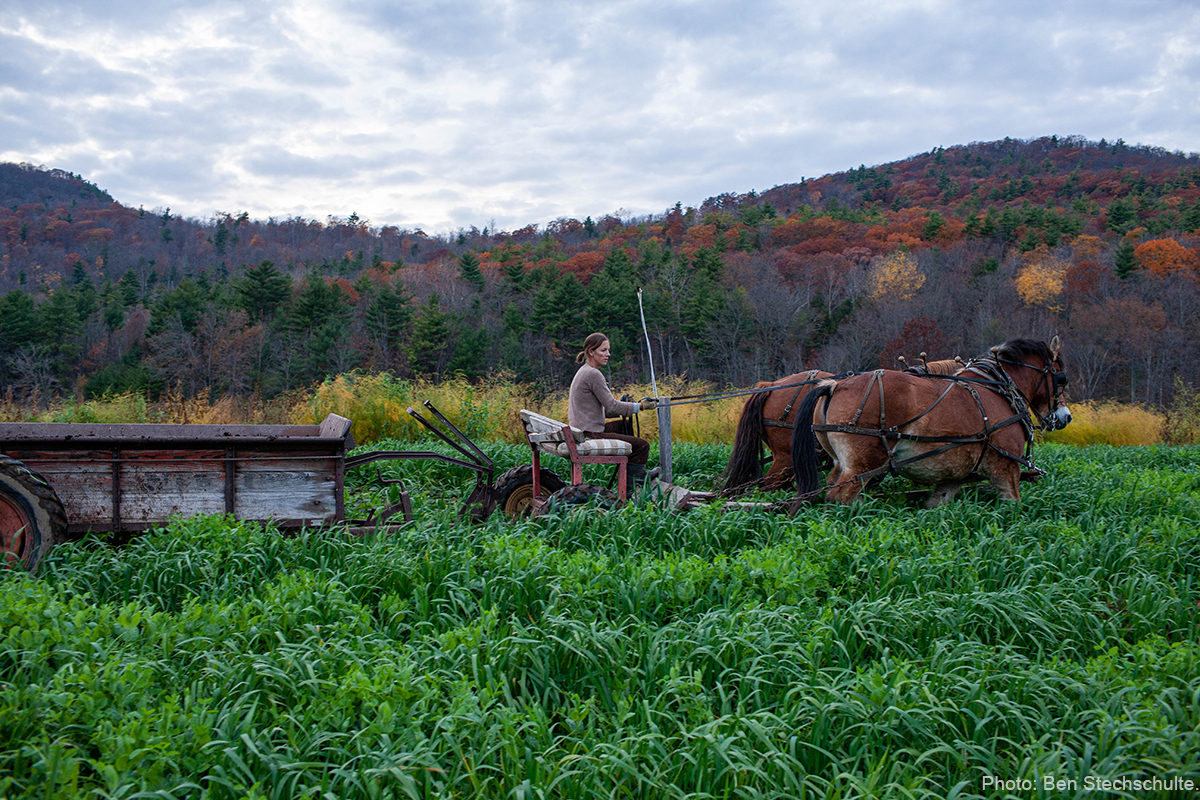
641	448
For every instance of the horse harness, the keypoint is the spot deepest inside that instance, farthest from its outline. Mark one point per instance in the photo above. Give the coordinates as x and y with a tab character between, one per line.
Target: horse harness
810	379
991	376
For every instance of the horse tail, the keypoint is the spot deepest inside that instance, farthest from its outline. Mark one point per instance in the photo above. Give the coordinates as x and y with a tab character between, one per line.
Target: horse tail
804	443
744	464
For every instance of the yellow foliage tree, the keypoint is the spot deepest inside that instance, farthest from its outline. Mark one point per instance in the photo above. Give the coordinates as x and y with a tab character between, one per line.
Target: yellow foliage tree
1040	281
896	277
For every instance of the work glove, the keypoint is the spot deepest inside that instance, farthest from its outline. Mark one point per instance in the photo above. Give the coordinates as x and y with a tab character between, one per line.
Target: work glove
648	404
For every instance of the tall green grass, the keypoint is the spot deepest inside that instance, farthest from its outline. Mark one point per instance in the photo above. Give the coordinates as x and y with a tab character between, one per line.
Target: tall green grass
877	650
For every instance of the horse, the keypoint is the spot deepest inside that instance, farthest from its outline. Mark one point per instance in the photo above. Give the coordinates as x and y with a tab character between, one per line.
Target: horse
933	430
767	418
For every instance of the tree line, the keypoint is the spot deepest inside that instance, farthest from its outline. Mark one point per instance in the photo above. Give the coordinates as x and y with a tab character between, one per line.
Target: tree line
947	252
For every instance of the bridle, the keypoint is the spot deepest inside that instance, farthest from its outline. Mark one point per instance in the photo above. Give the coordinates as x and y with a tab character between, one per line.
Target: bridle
1055	381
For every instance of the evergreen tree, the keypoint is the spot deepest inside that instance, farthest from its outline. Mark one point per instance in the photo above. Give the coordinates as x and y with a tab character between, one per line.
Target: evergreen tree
612	301
389	317
568	309
703	300
1124	262
261	290
130	289
318	303
469	356
1191	220
186	301
1121	215
18	321
933	226
59	327
468	270
513	270
431	331
544	316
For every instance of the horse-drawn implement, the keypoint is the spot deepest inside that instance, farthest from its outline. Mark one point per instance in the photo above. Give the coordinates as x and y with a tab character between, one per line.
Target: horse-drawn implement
936	429
61	479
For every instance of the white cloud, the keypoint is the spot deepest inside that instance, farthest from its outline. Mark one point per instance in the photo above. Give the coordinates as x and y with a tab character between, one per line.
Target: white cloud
450	114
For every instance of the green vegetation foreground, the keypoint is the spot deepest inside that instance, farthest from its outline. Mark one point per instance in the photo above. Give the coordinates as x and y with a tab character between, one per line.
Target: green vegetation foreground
876	650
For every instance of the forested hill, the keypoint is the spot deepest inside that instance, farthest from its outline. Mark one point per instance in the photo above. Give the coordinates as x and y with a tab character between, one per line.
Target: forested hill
21	184
949	251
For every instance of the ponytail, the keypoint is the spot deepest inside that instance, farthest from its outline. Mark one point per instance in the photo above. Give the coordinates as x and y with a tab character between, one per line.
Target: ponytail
592	342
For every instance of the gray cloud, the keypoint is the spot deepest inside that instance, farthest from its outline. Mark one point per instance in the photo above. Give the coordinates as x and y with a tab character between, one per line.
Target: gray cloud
448	113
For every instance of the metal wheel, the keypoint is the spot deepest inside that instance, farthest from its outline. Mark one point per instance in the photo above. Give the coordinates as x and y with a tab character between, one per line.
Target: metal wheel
514	489
580	494
32	518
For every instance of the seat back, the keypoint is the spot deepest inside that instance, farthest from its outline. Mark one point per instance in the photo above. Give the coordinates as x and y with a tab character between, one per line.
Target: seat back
544	430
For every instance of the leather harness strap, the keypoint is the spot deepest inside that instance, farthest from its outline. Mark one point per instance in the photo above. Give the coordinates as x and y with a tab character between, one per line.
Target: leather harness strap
990	378
810	378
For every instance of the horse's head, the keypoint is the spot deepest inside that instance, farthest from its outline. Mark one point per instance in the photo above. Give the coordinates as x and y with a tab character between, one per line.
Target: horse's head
1038	370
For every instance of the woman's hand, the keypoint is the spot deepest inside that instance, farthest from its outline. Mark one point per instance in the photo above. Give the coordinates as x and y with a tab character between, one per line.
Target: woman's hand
648	404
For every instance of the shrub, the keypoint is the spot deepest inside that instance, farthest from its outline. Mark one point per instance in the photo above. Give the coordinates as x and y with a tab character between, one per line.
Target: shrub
1106	422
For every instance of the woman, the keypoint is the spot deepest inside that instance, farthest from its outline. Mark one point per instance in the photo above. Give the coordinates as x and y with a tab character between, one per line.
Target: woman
590	401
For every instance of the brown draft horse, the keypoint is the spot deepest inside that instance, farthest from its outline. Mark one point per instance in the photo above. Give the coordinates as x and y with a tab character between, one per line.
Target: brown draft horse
768	419
937	431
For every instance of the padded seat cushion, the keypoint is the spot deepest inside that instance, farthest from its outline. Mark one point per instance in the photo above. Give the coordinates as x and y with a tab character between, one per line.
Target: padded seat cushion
546	433
593	447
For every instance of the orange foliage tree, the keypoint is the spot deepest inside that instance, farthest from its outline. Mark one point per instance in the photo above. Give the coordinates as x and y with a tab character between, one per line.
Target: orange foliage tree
1164	256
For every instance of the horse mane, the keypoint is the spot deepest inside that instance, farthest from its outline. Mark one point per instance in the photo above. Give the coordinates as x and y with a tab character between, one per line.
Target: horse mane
1017	349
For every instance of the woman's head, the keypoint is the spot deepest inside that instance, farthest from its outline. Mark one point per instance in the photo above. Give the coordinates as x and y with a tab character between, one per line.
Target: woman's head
590	345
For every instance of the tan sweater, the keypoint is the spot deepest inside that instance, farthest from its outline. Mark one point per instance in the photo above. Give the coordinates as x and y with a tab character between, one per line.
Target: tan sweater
590	399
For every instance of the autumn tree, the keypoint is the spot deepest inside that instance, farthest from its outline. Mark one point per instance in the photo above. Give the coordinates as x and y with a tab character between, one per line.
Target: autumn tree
1040	280
1164	256
896	277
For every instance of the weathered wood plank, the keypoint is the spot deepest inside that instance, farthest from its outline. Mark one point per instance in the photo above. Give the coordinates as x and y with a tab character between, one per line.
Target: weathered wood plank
269	489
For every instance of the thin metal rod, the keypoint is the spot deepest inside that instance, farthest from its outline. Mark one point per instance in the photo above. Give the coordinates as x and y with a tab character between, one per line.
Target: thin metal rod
649	352
439	434
462	436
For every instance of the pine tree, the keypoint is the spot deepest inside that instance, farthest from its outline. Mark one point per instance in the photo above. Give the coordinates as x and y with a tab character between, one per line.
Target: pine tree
261	290
431	332
389	317
612	301
469	356
513	271
1124	261
568	305
468	270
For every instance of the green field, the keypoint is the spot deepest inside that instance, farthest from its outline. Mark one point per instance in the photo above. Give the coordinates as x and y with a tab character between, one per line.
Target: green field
880	650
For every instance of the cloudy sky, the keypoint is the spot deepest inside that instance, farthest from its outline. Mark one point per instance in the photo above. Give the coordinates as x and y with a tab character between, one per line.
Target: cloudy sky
447	114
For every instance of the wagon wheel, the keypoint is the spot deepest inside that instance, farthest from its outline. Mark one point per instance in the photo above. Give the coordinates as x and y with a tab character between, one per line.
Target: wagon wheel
514	489
32	518
577	495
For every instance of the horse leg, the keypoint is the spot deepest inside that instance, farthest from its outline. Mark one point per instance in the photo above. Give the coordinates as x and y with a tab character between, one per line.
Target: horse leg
1004	475
942	493
843	488
779	440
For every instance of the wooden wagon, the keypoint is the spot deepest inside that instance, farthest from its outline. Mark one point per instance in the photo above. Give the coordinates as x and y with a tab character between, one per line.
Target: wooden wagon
59	479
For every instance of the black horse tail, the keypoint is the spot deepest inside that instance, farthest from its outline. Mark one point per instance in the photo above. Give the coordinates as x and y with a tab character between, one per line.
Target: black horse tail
804	443
745	464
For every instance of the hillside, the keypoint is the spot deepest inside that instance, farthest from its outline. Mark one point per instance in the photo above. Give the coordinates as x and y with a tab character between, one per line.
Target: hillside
948	251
